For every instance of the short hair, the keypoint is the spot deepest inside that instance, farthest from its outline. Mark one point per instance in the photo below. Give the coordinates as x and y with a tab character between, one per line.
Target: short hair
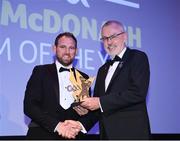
67	34
113	22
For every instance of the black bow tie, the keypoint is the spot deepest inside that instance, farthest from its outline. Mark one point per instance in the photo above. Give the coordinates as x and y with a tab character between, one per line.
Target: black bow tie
63	69
116	58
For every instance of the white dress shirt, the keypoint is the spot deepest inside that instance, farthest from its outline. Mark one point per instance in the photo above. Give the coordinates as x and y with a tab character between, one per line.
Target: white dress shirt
65	86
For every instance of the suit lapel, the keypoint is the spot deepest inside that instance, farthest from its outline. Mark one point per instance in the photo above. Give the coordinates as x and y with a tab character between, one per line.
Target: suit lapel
103	76
53	73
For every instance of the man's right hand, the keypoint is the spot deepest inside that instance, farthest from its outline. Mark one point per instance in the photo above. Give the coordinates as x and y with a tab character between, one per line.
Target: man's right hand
68	129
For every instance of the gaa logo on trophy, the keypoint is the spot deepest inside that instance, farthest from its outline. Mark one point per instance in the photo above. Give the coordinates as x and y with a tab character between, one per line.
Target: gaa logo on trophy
83	86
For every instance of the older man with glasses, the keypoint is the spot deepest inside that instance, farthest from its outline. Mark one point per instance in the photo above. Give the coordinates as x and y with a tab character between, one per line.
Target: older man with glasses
121	88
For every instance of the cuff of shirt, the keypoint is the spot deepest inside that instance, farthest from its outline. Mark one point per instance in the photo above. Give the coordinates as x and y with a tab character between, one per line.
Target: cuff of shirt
83	130
100	106
57	126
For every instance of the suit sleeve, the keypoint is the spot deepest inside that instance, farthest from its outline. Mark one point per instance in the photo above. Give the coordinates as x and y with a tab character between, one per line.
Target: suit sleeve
89	120
137	86
33	101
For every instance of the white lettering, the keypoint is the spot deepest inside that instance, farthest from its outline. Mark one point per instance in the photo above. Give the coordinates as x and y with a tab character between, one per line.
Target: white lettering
42	52
134	37
103	60
79	58
84	2
7	13
87	29
24	46
33	22
71	23
87	59
49	16
50	22
6	45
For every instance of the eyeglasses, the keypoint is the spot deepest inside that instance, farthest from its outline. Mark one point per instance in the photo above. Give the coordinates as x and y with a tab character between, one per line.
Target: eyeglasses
110	37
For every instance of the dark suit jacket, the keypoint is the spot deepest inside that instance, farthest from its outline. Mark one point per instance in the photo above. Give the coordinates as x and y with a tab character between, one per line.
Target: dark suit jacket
124	102
41	102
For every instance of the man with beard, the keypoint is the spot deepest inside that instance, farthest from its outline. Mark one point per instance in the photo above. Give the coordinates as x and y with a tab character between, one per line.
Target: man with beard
121	88
48	96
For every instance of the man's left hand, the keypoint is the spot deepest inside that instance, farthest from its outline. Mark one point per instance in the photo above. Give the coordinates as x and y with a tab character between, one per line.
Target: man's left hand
91	103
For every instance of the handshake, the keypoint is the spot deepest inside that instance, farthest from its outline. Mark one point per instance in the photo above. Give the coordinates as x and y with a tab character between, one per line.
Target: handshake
69	128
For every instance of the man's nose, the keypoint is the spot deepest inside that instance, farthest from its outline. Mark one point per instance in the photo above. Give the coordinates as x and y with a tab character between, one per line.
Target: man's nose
67	50
109	41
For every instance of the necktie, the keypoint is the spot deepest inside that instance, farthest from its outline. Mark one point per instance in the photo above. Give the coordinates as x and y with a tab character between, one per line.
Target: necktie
116	58
63	69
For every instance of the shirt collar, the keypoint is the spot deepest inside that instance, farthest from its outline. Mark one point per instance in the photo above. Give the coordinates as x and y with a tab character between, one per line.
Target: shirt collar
59	65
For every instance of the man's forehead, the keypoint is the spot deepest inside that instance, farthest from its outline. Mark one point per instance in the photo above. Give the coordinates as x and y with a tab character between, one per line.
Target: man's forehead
111	30
65	39
113	26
